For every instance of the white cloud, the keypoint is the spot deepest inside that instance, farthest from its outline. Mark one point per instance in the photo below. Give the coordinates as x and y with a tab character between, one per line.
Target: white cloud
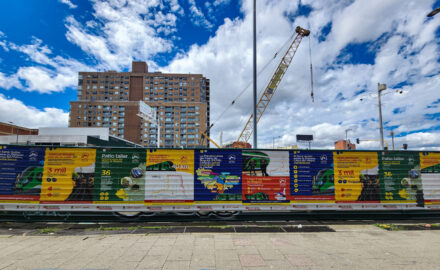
406	51
48	73
7	82
15	111
221	2
124	31
197	16
69	3
398	33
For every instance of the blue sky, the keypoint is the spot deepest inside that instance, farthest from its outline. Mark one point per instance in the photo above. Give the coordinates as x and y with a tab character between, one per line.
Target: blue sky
355	44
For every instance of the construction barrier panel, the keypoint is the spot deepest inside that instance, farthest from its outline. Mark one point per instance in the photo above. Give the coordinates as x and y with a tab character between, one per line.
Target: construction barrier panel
138	179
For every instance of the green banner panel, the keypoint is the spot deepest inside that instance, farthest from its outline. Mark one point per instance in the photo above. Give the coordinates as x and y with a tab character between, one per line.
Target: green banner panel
400	178
120	175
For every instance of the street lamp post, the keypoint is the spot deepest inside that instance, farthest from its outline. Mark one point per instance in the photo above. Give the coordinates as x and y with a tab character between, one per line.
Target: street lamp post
273	141
380	88
255	73
392	138
346	137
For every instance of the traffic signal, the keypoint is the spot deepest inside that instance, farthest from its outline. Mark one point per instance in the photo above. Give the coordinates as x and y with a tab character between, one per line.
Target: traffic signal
357	140
405	146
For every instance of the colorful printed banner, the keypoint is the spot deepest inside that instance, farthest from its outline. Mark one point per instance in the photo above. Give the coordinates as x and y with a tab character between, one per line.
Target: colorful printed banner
218	175
400	177
170	176
120	175
69	175
356	177
312	176
265	176
21	172
430	173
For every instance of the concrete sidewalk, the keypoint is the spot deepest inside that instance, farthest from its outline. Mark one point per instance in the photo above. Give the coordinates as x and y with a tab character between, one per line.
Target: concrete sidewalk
350	247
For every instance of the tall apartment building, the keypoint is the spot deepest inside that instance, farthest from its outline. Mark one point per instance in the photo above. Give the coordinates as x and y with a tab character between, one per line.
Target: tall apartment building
111	99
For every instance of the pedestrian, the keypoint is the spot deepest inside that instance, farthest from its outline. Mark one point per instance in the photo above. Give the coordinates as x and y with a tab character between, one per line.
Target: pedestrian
252	167
264	167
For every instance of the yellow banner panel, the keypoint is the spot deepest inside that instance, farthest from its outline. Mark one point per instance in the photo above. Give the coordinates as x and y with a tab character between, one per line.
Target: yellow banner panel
356	177
68	174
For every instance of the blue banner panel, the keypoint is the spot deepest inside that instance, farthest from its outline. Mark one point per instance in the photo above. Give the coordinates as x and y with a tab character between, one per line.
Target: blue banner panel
217	175
21	172
312	175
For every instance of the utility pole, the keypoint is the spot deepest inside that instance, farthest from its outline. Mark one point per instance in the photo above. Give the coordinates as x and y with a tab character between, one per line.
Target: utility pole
392	138
255	74
380	88
273	141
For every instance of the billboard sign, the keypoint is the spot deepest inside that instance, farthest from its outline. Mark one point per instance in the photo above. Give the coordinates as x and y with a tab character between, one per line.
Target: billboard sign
147	112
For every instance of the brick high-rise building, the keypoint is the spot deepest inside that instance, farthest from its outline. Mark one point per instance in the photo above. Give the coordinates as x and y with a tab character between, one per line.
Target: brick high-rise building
111	99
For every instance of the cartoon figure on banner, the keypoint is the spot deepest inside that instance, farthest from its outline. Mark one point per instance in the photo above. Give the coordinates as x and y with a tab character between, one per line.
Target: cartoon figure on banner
83	182
369	179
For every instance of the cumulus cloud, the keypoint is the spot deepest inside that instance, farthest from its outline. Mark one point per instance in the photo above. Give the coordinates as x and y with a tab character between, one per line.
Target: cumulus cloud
69	3
197	16
8	82
123	31
48	73
405	54
17	112
401	44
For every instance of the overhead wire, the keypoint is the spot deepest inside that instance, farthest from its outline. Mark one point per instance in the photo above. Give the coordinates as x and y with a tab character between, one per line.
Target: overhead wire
250	82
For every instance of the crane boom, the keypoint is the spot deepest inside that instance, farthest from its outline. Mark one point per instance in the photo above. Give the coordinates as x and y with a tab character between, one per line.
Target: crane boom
273	83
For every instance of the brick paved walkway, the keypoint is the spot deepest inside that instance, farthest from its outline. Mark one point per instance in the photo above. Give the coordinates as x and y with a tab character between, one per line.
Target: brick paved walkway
350	247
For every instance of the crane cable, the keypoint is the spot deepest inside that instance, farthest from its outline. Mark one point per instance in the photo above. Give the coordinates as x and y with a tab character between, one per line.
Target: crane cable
250	82
311	70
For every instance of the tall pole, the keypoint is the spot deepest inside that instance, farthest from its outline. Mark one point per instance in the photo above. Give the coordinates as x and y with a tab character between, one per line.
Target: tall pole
346	137
392	138
255	74
380	88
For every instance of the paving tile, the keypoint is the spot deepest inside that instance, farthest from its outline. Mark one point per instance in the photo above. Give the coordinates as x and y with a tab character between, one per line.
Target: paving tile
159	250
180	254
223	244
118	265
176	265
278	241
280	264
198	260
271	254
251	260
299	260
242	242
152	261
246	250
227	264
